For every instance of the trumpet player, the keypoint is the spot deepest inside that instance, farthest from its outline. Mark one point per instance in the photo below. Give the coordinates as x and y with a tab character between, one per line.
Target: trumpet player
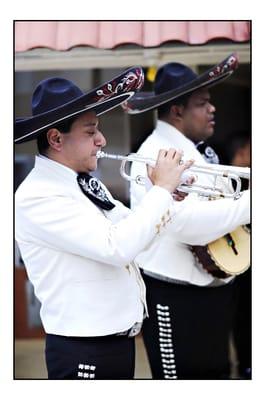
77	242
190	310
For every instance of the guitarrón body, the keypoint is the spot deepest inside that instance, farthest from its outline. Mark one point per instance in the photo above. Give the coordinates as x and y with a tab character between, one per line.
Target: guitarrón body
226	256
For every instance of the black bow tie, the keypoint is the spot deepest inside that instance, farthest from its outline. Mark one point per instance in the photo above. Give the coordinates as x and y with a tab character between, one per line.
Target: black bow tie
208	153
93	189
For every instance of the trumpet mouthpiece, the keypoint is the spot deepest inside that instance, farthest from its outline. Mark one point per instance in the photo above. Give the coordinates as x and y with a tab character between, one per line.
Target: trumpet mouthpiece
100	154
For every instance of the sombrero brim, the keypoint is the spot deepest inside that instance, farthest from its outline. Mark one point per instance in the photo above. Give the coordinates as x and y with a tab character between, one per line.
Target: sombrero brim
145	101
100	100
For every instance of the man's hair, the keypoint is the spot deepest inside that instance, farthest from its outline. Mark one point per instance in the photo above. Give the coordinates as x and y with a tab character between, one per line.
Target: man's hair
163	111
42	141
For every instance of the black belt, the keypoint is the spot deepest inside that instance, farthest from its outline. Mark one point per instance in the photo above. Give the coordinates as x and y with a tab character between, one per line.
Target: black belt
215	283
165	278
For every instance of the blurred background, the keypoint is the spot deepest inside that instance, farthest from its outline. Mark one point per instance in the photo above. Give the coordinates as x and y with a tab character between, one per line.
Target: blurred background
91	52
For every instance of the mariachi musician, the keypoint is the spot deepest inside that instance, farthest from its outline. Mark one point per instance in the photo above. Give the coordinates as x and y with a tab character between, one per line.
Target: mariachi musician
191	303
76	239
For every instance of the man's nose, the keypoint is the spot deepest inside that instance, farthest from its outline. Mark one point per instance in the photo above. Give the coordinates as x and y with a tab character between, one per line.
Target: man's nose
100	139
212	108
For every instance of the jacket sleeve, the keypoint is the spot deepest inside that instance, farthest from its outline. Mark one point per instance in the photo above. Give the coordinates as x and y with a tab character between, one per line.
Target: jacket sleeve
201	222
198	222
62	223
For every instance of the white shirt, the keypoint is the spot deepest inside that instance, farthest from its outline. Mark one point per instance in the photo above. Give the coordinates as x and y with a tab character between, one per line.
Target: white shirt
196	222
80	258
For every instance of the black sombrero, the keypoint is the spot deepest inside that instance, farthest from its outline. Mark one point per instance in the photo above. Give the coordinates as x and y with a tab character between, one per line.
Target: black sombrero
56	99
174	80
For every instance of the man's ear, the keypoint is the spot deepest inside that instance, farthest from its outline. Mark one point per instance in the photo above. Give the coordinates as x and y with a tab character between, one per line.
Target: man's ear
176	111
54	138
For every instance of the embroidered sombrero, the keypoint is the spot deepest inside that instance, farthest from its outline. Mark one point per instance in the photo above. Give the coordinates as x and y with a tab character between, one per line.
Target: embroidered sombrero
56	99
174	80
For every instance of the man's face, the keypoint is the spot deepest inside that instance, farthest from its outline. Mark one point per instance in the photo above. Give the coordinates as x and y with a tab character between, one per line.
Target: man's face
80	145
198	116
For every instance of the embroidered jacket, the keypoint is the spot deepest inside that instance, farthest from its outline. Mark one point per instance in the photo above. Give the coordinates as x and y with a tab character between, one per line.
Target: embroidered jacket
79	257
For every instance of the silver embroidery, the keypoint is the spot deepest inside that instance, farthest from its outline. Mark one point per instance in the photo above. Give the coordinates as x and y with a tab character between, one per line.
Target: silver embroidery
94	188
84	371
166	345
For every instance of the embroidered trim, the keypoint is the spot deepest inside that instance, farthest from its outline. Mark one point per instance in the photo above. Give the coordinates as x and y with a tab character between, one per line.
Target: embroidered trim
94	188
131	81
166	345
84	371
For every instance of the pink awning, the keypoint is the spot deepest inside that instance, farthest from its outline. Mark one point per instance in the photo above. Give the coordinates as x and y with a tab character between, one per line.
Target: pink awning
64	35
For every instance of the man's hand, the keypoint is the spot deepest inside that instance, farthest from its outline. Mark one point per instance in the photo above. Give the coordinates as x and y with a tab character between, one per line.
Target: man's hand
168	170
178	195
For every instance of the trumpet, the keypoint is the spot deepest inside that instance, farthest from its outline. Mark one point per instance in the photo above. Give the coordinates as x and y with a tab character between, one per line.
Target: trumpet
216	170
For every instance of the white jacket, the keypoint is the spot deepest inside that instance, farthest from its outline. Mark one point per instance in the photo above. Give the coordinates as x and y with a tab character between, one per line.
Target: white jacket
196	222
79	258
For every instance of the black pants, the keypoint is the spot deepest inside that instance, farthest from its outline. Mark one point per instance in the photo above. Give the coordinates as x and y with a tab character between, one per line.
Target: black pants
242	324
188	329
105	357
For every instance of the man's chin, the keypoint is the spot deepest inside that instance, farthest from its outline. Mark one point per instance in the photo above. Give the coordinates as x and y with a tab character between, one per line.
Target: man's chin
93	167
88	169
209	133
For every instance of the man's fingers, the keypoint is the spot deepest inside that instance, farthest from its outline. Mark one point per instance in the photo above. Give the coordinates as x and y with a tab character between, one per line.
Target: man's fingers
161	154
149	169
179	196
187	164
190	180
